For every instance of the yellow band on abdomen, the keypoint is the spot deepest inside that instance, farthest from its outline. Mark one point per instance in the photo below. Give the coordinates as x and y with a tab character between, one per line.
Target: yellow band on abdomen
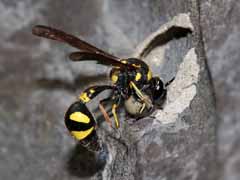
79	117
79	135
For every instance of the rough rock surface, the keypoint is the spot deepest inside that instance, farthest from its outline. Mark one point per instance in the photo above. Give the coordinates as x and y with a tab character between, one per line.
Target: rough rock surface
38	84
221	32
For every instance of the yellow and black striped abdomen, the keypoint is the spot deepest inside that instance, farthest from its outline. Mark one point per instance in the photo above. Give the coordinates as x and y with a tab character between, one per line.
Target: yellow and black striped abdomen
79	121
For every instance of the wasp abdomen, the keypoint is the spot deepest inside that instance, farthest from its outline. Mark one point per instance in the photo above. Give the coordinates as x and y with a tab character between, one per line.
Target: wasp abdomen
81	125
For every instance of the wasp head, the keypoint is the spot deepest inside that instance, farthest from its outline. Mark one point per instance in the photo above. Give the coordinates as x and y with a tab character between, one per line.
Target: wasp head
158	91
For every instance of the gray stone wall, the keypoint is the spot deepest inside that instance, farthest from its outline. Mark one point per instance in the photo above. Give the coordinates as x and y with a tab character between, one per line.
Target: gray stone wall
38	83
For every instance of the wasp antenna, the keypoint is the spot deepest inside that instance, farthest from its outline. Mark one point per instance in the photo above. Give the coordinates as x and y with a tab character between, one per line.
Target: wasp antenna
40	30
169	82
37	30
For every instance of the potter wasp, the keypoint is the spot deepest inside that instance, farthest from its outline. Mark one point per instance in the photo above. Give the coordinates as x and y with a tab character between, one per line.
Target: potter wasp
132	85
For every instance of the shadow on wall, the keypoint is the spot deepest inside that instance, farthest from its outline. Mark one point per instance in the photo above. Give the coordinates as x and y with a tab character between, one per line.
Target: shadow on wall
84	163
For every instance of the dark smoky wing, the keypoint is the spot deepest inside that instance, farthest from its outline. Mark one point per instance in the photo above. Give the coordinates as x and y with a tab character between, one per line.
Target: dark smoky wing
58	35
101	59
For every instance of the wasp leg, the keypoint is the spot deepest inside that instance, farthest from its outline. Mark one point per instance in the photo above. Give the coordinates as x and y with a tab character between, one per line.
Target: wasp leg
117	101
114	107
143	97
104	112
143	107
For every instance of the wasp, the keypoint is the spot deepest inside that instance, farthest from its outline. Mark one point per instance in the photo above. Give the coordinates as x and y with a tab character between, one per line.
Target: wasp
132	84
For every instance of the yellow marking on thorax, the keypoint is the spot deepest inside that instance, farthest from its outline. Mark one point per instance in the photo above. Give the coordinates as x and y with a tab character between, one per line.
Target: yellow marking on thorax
114	78
136	65
79	117
138	76
149	75
116	67
79	135
84	97
92	91
124	61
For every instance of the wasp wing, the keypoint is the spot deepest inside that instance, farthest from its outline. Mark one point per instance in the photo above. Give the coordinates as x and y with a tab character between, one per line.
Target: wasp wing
58	35
101	59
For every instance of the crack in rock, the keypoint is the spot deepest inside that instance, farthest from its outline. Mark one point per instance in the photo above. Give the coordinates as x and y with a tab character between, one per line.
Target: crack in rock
180	26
